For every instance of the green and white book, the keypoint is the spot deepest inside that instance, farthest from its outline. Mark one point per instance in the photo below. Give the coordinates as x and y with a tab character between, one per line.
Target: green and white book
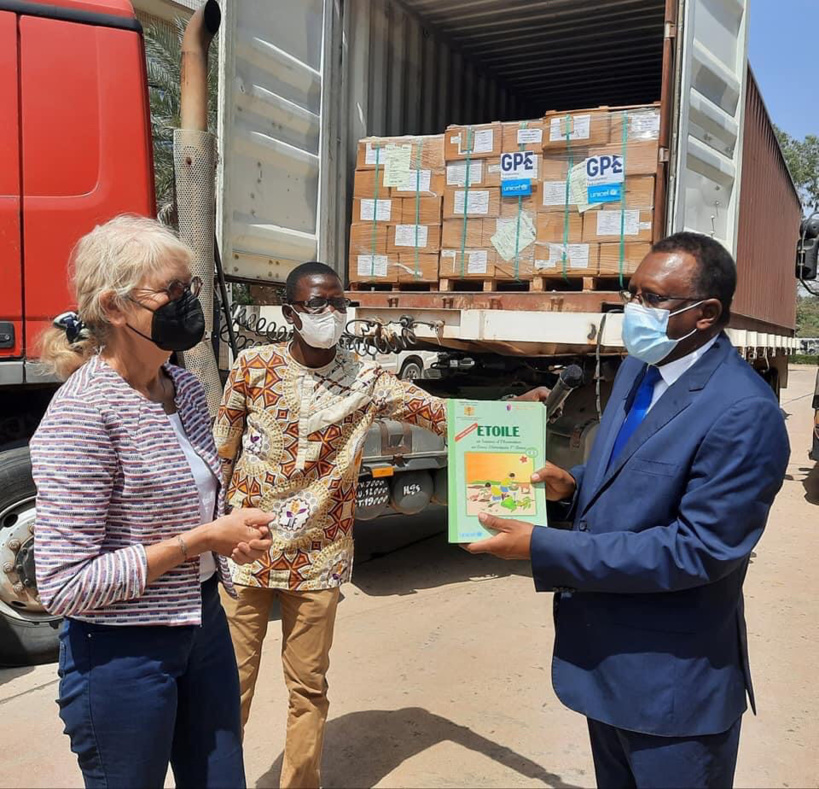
493	450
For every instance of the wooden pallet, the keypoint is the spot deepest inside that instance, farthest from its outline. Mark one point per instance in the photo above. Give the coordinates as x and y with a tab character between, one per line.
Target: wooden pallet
603	284
488	285
535	285
393	287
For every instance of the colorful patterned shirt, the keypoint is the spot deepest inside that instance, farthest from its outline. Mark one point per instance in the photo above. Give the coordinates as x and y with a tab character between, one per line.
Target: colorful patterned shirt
291	441
112	479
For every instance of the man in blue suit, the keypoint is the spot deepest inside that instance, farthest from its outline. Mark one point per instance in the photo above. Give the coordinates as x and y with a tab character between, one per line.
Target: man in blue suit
650	640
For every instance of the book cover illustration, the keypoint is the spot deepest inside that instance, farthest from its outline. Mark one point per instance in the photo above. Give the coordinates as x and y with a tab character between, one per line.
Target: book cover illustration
494	448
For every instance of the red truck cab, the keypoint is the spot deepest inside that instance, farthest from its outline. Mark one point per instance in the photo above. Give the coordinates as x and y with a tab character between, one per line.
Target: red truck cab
75	150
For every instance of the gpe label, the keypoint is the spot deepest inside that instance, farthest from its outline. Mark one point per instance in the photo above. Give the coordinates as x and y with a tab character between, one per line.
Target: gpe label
520	164
605	169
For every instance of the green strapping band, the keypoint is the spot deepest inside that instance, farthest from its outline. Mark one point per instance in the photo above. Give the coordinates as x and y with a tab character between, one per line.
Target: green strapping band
623	201
469	137
418	204
375	213
521	147
566	200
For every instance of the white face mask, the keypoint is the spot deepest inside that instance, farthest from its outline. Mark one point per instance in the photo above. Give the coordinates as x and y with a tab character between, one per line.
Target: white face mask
323	330
645	332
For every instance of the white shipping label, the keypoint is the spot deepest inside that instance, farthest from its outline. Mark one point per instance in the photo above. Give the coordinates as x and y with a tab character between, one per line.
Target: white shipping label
554	193
372	265
521	164
609	223
493	168
456	173
374	154
512	236
644	125
397	164
476	261
483	141
577	256
579	187
645	226
380	210
526	136
476	203
411	235
579	127
417	181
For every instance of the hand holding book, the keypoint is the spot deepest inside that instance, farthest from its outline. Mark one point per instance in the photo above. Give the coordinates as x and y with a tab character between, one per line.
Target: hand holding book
512	541
560	485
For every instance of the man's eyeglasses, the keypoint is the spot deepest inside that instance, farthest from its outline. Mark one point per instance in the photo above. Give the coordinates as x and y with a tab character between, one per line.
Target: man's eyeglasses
177	289
319	304
648	299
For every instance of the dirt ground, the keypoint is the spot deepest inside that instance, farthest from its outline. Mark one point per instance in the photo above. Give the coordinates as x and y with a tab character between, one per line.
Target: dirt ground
440	669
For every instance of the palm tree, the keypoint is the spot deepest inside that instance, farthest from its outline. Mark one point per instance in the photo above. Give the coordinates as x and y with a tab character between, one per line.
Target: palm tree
163	52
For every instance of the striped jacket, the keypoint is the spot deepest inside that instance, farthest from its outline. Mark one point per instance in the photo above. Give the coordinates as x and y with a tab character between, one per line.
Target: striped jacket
112	479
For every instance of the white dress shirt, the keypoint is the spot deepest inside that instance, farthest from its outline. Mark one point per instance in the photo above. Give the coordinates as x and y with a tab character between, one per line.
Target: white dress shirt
673	371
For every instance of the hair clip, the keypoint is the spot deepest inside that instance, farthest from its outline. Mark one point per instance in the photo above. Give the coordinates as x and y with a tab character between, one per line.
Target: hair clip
71	323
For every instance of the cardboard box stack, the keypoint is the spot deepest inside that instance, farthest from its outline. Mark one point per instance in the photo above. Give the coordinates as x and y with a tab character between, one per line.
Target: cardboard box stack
570	194
599	171
398	192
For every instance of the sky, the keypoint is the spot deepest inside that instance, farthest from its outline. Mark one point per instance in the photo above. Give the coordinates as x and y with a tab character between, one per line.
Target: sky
782	50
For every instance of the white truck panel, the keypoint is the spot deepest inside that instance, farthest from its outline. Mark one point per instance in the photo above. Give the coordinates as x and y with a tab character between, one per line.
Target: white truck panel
710	104
270	135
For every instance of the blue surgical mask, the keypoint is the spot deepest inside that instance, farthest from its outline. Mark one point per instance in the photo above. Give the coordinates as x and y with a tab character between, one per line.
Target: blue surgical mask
645	332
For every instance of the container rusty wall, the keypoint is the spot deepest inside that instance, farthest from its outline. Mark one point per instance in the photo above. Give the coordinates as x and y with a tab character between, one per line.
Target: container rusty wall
769	217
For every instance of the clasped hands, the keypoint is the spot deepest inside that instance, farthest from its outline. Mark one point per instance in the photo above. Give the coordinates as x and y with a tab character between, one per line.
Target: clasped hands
243	535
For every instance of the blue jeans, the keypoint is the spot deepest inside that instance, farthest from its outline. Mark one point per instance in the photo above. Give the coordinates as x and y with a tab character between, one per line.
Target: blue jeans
135	699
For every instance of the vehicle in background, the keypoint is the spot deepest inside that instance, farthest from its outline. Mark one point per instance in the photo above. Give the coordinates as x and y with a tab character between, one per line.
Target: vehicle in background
411	365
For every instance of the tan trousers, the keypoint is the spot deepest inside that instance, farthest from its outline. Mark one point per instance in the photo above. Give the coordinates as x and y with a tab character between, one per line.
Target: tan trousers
307	635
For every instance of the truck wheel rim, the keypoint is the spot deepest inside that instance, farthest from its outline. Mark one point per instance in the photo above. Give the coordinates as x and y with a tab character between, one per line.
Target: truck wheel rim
18	589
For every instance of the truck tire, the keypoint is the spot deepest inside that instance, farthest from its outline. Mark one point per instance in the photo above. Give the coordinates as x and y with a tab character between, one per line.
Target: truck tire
412	369
28	634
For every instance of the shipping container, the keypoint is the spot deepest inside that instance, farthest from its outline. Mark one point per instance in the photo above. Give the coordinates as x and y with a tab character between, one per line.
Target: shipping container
299	88
769	217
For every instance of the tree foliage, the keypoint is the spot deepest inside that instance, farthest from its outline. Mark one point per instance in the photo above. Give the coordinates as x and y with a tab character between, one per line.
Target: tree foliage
802	157
163	52
807	316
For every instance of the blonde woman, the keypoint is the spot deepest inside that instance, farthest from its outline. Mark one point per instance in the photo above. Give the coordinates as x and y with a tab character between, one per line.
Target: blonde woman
129	544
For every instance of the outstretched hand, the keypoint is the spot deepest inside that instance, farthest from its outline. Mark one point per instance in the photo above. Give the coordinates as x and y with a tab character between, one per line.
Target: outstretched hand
512	541
539	394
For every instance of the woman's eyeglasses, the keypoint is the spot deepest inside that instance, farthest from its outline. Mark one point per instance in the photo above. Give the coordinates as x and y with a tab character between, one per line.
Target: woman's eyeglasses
177	289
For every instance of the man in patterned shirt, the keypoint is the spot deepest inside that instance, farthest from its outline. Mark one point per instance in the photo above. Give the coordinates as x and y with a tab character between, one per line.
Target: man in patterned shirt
291	433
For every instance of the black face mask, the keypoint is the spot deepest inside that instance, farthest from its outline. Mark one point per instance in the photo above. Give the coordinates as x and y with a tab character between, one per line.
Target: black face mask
176	326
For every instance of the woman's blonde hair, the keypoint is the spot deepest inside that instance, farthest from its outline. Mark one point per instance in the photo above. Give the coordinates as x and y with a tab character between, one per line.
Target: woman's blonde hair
113	258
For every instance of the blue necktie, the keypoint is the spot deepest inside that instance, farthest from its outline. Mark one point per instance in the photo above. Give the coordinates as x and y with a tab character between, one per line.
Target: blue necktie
637	412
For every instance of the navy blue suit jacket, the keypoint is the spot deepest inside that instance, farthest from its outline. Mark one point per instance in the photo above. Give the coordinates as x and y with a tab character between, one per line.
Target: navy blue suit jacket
650	629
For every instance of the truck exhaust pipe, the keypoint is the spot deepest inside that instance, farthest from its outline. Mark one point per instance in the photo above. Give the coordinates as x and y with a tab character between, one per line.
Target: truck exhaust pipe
195	172
200	30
